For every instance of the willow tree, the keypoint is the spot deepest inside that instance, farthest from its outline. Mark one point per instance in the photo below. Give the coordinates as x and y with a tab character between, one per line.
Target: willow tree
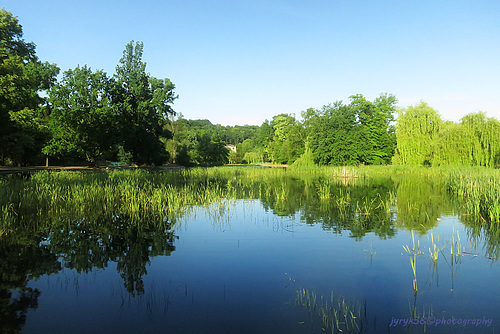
417	127
452	146
484	149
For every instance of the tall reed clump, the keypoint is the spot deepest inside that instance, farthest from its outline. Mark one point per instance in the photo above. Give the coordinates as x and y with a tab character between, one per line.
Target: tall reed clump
136	194
478	192
337	314
323	189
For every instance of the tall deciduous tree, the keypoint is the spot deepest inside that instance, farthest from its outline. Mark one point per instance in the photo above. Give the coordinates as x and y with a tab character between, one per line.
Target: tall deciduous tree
22	76
334	135
143	105
288	142
378	132
83	121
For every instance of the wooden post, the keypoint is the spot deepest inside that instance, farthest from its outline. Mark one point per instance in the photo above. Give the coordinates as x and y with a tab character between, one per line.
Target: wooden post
47	161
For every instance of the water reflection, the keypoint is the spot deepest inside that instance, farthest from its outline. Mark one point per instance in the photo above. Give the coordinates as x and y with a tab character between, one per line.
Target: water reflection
81	245
359	208
22	257
84	246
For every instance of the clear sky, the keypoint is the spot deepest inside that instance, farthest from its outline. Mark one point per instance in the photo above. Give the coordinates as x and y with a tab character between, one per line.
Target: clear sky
244	61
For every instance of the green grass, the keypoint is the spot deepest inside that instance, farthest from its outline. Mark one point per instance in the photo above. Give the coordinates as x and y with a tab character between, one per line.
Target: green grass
478	192
365	194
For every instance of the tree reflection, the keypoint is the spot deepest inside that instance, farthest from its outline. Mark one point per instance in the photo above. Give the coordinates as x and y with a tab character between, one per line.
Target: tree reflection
357	206
421	202
86	245
28	253
22	258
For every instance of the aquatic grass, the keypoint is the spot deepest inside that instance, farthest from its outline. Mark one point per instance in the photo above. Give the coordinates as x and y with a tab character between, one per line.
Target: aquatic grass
369	205
413	252
455	256
343	198
337	315
138	194
142	194
434	251
478	192
426	312
323	189
413	262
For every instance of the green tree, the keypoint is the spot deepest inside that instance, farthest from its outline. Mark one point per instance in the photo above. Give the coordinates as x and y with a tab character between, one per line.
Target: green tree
484	149
22	77
143	104
378	132
417	128
244	147
83	122
209	150
334	135
452	146
288	141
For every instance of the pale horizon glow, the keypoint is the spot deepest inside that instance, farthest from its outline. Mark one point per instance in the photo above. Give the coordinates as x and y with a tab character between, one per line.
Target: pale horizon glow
242	62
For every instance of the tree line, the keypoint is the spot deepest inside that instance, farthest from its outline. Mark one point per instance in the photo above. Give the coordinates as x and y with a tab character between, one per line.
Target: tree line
86	115
90	116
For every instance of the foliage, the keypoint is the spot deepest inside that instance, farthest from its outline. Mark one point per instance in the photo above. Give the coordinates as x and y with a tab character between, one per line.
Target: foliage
306	160
209	151
358	133
376	120
22	77
424	139
197	144
288	141
451	146
484	136
143	105
83	122
417	128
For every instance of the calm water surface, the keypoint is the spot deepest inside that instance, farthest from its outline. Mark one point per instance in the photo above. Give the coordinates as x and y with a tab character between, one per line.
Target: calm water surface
245	269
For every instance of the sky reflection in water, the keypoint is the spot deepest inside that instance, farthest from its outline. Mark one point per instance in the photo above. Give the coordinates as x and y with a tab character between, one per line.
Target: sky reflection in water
240	272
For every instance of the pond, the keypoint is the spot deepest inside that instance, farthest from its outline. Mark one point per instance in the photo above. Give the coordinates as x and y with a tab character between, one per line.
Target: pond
275	254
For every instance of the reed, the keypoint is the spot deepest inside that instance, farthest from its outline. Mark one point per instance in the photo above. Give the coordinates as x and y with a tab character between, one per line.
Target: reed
324	191
343	198
141	194
478	192
434	251
137	194
337	315
413	252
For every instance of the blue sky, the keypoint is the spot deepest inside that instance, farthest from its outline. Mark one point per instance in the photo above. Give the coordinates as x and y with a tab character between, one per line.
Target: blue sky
241	62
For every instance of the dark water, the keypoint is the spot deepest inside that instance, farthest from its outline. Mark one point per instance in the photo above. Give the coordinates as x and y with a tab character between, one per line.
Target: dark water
247	265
